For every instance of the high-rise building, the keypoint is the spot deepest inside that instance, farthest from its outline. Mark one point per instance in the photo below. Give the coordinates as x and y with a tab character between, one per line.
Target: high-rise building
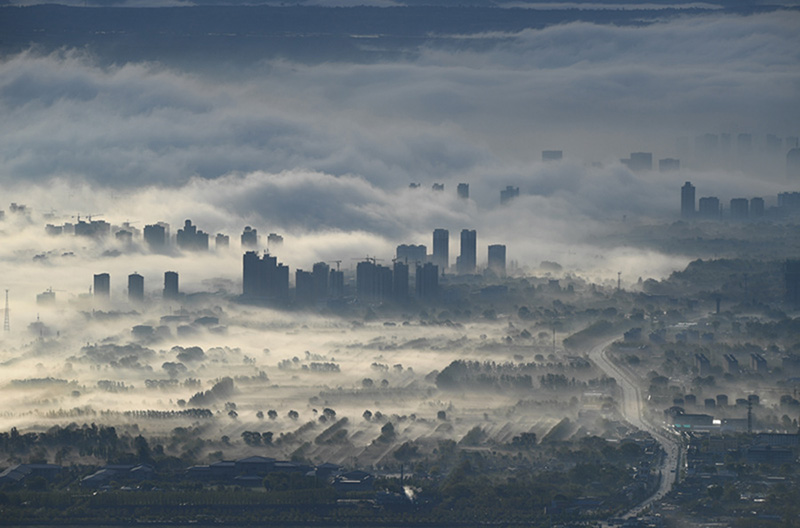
427	281
438	187
192	239
102	285
400	281
412	253
791	271
552	155
135	287
441	248
155	237
274	240
639	161
739	208
264	279
304	287
687	200
497	259
756	207
373	282
463	190
709	208
222	241
321	272
669	165
249	238
171	285
336	284
509	193
468	258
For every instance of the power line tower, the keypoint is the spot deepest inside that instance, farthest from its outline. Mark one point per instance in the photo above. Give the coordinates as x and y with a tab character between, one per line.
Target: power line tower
6	320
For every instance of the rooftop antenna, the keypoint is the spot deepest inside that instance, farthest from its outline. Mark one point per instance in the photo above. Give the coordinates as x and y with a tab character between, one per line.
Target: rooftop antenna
6	320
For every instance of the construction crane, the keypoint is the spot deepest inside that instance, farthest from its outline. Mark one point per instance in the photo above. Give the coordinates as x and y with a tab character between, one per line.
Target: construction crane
337	263
89	216
369	259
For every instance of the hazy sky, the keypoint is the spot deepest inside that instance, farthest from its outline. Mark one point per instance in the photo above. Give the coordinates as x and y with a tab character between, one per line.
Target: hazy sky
324	152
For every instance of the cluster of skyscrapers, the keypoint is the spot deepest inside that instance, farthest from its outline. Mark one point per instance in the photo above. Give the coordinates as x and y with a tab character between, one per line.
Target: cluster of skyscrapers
265	280
101	287
710	207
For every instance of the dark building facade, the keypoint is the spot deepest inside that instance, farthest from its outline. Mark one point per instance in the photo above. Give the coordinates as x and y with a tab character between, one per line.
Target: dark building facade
249	238
171	290
264	279
791	271
192	239
463	190
441	248
427	281
687	201
508	194
400	281
497	259
709	208
321	272
412	253
304	287
135	287
467	260
155	236
739	209
373	282
102	285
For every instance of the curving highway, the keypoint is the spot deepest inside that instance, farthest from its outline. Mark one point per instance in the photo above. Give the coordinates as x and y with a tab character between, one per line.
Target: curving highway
631	407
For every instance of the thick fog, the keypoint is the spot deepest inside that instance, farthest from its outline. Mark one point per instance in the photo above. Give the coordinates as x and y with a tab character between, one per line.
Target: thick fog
323	154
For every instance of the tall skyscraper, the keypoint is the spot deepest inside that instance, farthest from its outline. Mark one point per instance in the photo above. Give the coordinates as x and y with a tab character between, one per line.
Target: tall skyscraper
709	208
468	258
669	165
427	281
171	285
155	237
792	280
497	259
739	208
222	241
687	201
321	273
400	281
192	239
264	279
304	287
102	285
441	248
639	161
135	287
463	190
373	282
756	207
249	238
508	194
336	284
412	253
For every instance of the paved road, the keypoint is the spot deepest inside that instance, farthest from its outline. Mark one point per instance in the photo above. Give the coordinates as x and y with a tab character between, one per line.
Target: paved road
632	408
